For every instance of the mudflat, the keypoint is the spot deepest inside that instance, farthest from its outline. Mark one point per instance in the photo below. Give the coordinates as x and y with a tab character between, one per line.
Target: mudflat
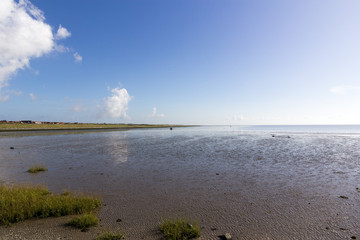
253	186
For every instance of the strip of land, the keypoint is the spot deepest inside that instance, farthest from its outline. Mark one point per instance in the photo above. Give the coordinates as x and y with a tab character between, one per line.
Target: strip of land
7	127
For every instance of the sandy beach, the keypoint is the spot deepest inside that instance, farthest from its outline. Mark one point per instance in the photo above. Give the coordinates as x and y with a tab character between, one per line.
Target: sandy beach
251	186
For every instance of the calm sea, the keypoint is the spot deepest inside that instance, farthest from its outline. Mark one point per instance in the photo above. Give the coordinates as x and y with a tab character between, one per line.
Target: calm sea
264	177
300	128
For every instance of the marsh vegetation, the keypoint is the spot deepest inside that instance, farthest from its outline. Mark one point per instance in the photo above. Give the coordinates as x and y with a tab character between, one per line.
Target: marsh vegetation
84	222
36	169
179	229
18	203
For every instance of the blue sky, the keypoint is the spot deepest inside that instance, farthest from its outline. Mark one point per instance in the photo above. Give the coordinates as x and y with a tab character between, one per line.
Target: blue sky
186	62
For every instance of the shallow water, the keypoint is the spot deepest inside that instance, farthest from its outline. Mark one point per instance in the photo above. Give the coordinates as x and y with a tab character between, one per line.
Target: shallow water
238	180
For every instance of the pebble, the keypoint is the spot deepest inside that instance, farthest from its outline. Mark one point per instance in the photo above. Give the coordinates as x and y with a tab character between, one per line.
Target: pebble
343	197
118	220
353	237
12	148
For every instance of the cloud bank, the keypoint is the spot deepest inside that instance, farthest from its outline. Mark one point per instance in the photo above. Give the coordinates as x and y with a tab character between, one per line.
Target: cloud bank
116	105
24	35
154	114
343	89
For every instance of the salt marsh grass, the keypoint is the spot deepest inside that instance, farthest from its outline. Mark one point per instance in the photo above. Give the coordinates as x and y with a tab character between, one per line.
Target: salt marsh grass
84	222
18	203
110	236
36	169
179	229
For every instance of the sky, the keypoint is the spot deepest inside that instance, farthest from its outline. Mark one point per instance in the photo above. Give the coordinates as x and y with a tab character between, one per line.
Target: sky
230	62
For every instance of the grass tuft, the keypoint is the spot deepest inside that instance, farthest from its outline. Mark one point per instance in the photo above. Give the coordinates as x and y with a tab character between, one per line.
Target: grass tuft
179	229
84	222
36	169
110	236
18	203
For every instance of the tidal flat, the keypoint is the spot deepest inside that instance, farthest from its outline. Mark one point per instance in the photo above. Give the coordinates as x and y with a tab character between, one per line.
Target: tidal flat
253	184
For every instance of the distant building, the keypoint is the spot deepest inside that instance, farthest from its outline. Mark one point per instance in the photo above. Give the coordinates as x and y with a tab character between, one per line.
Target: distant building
26	121
38	122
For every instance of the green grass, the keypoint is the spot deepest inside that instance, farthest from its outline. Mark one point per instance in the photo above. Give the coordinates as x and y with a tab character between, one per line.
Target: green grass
84	222
110	236
36	169
179	229
18	203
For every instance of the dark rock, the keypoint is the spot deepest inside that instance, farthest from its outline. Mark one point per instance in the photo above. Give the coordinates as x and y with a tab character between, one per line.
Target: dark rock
170	128
273	135
353	237
327	228
358	189
343	197
226	236
118	220
213	229
12	148
217	173
343	229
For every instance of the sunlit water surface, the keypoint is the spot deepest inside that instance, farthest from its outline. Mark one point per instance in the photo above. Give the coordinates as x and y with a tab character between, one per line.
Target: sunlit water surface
198	166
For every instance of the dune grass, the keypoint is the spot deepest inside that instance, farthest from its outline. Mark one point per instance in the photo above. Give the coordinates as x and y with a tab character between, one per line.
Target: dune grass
84	222
36	169
179	229
110	236
18	203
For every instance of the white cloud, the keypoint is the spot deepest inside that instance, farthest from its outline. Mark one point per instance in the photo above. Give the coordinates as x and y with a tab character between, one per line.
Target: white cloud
5	95
237	117
154	114
24	35
77	57
33	97
116	105
61	48
62	33
17	93
4	98
78	108
343	89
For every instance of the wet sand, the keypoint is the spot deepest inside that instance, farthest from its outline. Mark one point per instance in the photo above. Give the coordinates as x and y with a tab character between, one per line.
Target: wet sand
253	187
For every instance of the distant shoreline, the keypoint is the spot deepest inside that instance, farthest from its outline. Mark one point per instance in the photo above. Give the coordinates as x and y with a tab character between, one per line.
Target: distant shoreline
10	127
